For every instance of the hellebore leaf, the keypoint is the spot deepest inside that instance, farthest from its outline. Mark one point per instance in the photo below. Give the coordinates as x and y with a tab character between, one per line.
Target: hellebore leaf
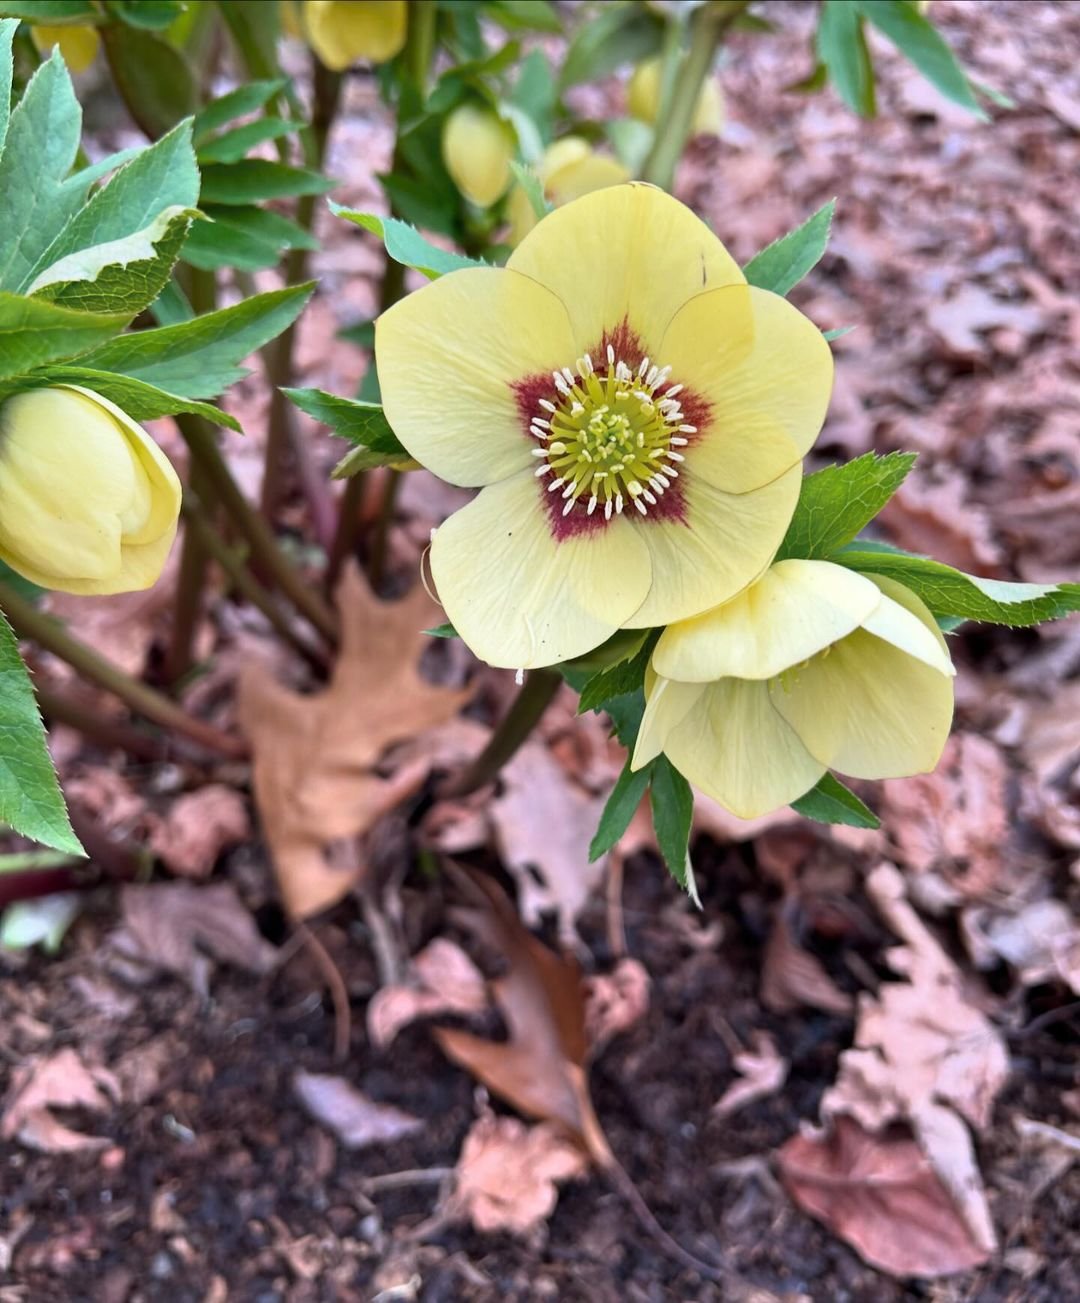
406	245
244	237
362	423
618	679
236	104
672	801
141	401
154	78
952	593
7	32
837	502
30	799
841	47
829	801
784	263
232	146
200	358
34	332
621	804
254	179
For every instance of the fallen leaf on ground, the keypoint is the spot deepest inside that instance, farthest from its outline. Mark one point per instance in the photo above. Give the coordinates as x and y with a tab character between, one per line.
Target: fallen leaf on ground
60	1081
355	1119
1051	742
937	519
883	1197
792	977
1033	940
762	1071
924	1055
445	980
198	827
543	822
314	755
615	1002
961	320
184	929
540	1067
506	1177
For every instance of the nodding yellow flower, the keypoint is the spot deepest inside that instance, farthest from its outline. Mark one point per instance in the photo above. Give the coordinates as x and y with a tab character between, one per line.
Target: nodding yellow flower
477	148
813	667
634	414
643	99
88	501
342	32
569	169
78	45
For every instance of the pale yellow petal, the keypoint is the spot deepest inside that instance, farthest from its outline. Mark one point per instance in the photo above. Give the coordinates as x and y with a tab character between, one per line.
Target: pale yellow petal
624	256
795	609
140	567
737	749
765	372
449	358
868	709
520	598
908	600
901	629
723	543
667	704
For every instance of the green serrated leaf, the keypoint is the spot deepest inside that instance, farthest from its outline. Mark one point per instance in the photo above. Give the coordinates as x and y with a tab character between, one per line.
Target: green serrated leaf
234	145
841	47
361	423
253	180
525	15
406	245
618	679
620	807
829	801
8	27
838	333
30	799
839	501
443	631
50	12
615	35
34	332
786	261
200	358
949	592
141	401
672	800
533	188
154	15
247	238
236	104
921	43
152	76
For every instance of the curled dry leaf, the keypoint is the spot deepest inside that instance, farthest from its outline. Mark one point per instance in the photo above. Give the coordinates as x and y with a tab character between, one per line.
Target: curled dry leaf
314	756
198	827
183	929
445	980
762	1071
540	1067
355	1119
615	1002
62	1080
1035	940
883	1197
961	321
791	977
937	519
506	1177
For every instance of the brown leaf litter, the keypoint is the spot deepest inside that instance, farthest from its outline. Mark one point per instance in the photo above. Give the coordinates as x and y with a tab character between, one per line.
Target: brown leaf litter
443	980
315	755
352	1116
59	1081
762	1071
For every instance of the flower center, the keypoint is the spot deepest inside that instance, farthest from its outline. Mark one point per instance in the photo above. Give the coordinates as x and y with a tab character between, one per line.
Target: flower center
613	438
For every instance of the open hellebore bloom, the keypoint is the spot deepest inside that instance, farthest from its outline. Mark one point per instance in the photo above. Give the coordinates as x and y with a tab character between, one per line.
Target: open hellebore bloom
568	169
633	412
88	501
477	148
813	667
341	32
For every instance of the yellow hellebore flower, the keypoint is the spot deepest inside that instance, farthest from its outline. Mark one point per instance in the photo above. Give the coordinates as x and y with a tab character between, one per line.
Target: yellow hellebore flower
569	169
813	667
643	99
633	412
78	45
88	501
341	32
477	148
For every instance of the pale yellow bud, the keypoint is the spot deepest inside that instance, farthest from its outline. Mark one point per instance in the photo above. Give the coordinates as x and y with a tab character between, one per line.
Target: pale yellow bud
88	501
342	32
477	149
643	99
569	169
78	45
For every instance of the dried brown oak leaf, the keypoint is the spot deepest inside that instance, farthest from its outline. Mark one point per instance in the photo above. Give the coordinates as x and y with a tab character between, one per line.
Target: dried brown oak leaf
60	1081
198	827
762	1071
882	1196
540	1067
314	755
444	980
355	1119
506	1176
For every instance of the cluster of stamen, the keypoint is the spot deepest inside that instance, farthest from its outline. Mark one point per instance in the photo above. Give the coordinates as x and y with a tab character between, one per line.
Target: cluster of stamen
614	436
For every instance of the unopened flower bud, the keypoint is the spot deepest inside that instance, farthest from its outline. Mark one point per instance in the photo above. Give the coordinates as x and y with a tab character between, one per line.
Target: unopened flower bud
477	149
342	32
78	45
643	99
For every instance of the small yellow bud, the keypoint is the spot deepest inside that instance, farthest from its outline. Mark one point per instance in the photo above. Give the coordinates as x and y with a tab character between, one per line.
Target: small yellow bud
341	32
643	99
477	149
88	501
569	169
78	45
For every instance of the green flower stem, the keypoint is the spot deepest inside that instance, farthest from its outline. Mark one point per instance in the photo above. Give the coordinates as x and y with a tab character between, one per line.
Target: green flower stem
707	29
201	529
265	552
49	634
533	698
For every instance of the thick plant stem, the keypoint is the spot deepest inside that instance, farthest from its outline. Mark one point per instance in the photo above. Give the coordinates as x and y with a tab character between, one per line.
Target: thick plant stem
59	708
260	537
348	526
519	721
707	29
48	633
245	582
